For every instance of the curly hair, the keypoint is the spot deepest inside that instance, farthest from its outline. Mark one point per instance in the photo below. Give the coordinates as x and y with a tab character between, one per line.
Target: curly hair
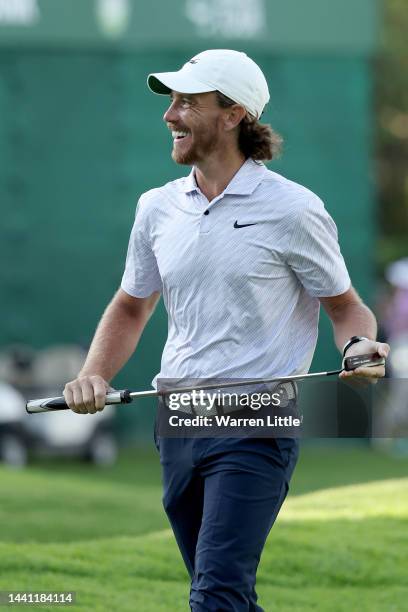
256	140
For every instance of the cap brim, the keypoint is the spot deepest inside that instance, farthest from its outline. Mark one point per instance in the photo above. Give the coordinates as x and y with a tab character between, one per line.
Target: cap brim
165	82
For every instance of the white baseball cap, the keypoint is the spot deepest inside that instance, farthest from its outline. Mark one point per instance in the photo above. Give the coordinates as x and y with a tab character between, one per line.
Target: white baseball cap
232	73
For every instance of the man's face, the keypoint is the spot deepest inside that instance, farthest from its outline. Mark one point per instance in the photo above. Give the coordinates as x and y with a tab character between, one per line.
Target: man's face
196	123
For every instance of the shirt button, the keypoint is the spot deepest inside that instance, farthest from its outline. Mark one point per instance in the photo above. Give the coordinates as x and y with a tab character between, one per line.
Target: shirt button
207	212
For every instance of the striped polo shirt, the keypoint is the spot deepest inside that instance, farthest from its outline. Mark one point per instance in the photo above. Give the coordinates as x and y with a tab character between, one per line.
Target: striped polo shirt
240	275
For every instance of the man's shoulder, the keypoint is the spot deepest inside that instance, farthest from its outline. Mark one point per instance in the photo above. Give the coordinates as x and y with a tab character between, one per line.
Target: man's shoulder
157	195
287	191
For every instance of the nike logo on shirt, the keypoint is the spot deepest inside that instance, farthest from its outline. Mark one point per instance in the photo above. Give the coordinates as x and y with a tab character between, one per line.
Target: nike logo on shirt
236	224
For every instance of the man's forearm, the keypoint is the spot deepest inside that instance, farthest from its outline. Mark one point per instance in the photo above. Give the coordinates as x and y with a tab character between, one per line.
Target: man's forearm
351	317
115	339
354	319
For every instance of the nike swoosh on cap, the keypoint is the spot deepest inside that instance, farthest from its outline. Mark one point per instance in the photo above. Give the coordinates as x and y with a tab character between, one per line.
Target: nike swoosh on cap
236	224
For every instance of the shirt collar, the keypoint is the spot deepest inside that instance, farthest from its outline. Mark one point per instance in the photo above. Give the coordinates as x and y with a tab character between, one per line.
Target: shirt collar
189	183
244	182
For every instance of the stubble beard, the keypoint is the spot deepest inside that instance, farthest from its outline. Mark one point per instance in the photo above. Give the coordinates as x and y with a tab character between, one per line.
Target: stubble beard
207	142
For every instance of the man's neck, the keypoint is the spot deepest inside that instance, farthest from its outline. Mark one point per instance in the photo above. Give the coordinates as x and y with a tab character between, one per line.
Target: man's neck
213	175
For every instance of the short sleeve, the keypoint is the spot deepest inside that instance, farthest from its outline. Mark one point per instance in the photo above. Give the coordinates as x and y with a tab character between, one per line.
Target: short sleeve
314	254
141	276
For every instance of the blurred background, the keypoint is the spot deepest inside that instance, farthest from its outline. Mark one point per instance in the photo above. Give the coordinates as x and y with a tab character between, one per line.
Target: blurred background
81	138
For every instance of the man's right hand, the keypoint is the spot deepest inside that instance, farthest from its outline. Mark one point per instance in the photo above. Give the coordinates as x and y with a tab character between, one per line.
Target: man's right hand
87	394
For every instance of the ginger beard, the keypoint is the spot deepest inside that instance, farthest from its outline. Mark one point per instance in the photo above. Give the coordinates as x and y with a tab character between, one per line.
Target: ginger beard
200	142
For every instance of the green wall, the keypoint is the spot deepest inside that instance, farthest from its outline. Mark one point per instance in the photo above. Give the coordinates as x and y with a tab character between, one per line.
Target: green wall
82	137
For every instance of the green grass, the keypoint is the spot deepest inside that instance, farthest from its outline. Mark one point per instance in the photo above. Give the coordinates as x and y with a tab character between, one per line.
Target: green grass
103	533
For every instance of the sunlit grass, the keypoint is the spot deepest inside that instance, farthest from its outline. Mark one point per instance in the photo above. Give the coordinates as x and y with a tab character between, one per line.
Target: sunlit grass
107	538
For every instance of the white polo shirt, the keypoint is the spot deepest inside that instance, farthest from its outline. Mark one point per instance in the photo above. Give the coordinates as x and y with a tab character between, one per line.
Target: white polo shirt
240	276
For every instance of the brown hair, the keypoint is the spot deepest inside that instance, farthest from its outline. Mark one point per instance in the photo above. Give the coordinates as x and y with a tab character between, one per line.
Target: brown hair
256	140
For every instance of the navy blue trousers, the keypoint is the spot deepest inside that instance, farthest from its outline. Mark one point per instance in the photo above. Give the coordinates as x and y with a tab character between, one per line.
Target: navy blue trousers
222	496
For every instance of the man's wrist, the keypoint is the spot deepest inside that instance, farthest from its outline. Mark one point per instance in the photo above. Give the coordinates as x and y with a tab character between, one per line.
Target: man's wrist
351	341
87	373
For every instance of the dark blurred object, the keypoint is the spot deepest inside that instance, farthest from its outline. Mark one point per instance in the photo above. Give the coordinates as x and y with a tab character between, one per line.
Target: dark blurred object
27	374
16	365
393	417
395	316
392	135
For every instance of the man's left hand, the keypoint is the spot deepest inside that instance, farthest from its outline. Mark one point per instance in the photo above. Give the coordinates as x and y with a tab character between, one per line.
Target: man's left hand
366	374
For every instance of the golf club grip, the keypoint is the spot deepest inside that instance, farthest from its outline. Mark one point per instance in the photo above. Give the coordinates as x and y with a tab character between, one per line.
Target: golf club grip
52	404
368	360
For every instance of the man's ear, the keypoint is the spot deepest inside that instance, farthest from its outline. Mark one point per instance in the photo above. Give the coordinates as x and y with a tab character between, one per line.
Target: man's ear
233	116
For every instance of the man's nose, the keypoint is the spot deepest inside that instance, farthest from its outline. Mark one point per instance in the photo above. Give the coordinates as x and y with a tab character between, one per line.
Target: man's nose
171	114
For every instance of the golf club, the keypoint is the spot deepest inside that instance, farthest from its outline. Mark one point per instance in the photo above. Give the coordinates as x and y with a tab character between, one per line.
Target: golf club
125	396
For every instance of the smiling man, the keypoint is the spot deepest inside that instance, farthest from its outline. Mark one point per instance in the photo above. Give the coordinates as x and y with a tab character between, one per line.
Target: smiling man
243	258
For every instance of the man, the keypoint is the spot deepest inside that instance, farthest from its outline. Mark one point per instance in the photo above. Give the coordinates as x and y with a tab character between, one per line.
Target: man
243	257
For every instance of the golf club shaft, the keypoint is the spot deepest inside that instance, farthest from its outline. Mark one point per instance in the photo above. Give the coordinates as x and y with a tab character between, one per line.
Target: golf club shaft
126	396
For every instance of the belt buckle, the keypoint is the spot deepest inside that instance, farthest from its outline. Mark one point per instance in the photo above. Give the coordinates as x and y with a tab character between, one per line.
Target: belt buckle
288	392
